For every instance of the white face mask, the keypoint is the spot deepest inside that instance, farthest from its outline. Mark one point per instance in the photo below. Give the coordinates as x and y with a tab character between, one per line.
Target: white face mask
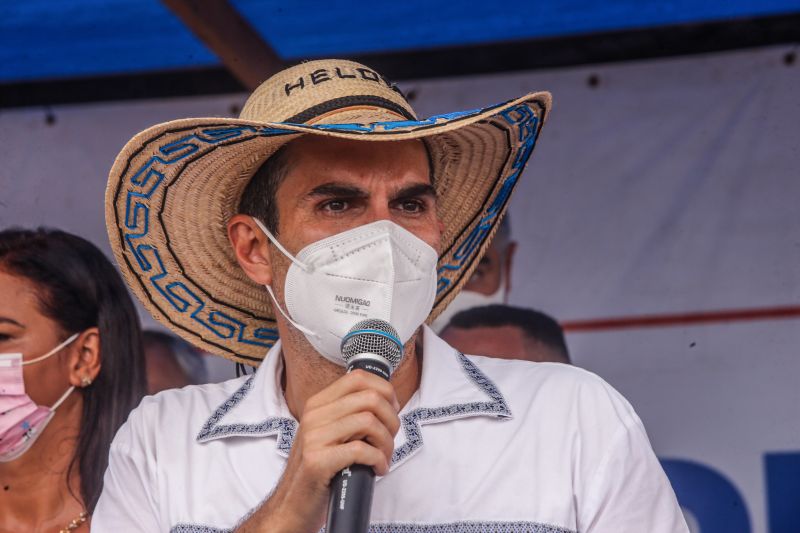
467	300
378	270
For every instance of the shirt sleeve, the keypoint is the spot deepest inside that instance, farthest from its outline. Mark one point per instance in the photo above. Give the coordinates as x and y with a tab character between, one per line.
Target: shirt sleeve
628	491
128	501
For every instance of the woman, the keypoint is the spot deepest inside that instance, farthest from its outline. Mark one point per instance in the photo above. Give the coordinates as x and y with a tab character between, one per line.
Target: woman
71	369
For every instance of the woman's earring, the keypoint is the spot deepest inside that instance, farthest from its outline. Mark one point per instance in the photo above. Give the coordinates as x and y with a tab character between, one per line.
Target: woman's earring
85	381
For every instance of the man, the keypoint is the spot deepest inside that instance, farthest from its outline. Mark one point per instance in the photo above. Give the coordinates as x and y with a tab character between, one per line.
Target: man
172	362
490	283
325	203
508	333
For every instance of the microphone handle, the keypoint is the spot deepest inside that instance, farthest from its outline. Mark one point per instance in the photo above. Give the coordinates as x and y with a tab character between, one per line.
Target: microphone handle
351	500
351	489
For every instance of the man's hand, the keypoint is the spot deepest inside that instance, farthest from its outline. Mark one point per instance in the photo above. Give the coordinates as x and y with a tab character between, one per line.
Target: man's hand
353	421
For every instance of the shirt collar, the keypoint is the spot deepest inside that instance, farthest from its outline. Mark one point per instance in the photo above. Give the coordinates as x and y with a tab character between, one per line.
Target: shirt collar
257	409
452	387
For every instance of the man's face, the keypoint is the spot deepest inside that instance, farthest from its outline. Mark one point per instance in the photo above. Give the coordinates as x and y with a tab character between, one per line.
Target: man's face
330	186
333	185
487	275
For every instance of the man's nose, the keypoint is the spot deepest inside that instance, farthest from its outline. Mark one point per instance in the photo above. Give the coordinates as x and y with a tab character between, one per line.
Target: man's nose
378	210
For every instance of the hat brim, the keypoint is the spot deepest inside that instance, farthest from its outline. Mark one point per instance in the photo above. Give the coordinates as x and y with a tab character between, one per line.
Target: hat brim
174	187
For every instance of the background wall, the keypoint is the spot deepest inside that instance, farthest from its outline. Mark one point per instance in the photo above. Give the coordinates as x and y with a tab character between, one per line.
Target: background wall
659	187
671	187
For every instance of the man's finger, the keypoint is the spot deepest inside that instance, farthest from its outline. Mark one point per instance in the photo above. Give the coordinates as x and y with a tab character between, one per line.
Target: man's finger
355	381
368	400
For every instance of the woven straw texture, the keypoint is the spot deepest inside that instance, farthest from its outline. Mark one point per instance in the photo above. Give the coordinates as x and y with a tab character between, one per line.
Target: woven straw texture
174	186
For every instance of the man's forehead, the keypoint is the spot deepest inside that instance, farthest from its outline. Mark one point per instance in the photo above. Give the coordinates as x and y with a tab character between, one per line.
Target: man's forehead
315	160
322	146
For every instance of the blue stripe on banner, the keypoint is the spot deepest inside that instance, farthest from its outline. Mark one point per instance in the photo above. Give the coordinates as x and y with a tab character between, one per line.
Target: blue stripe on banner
712	499
783	491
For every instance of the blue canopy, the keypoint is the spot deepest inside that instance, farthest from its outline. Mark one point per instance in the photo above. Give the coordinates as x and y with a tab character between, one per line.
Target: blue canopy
52	39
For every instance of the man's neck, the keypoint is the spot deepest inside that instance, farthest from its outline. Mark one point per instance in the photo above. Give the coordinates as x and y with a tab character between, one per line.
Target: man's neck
305	372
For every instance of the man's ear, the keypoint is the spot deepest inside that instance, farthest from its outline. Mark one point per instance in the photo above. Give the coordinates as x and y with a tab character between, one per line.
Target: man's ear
250	247
85	360
511	249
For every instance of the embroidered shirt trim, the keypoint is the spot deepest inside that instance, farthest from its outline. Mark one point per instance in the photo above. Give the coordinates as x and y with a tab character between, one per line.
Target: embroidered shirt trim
413	420
212	429
452	527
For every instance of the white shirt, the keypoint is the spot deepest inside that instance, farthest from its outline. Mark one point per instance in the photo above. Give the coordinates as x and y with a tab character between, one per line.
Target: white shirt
486	445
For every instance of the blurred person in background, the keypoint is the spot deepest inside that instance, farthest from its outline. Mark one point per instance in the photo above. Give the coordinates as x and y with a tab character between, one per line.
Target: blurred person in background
508	333
171	362
490	282
71	369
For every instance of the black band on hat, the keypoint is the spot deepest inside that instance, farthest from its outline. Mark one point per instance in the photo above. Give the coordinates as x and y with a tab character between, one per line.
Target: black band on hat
349	101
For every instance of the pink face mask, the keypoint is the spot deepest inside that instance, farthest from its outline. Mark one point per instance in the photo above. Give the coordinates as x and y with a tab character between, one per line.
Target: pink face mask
21	419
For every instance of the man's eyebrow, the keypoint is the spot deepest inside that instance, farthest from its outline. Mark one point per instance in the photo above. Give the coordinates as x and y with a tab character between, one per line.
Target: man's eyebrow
6	320
418	189
337	190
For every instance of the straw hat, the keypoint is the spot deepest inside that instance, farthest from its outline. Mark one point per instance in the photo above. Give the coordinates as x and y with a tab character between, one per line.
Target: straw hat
174	186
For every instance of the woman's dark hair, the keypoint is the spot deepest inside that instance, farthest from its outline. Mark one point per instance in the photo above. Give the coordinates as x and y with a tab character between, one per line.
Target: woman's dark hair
78	288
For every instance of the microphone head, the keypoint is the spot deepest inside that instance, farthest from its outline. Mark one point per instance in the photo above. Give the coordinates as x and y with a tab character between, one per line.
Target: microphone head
375	337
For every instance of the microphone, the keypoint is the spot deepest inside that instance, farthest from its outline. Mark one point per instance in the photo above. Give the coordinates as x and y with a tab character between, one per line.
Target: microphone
372	345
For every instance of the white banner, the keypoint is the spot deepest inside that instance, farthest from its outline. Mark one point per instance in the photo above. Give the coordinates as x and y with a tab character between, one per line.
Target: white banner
667	194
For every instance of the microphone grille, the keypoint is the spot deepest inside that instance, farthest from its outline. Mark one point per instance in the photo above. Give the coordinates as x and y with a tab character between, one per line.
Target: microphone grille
376	337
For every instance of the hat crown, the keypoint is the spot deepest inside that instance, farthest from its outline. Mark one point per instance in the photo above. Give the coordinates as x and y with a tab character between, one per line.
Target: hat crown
327	91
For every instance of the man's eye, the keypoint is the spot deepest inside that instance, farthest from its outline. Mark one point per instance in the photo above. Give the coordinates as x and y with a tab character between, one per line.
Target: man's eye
335	205
412	206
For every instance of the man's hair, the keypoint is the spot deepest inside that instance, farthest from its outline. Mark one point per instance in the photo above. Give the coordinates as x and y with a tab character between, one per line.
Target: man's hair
258	198
187	357
536	326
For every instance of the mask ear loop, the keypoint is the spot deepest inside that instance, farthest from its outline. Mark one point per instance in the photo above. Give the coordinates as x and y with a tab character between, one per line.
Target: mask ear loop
63	397
278	245
51	352
269	289
286	316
